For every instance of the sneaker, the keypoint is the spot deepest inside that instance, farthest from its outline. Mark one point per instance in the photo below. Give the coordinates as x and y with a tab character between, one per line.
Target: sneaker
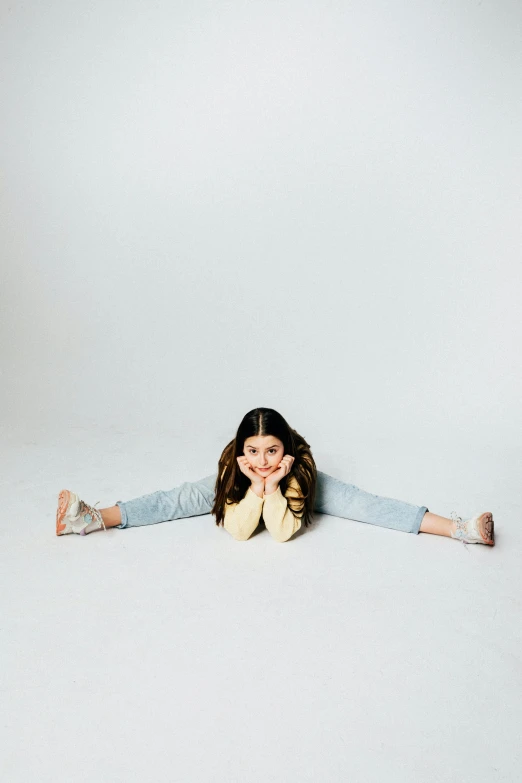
74	516
478	530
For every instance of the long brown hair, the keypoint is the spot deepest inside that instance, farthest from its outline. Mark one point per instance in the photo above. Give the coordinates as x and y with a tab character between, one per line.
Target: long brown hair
231	482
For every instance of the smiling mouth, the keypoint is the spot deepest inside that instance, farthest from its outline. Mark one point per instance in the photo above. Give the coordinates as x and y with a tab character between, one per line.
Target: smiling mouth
264	469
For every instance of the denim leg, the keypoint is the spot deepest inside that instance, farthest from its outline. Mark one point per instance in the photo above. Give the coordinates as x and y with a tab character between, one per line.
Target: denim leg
339	499
190	499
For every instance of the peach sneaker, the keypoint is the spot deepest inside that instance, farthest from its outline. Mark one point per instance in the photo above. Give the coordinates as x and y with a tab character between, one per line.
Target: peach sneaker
477	530
75	516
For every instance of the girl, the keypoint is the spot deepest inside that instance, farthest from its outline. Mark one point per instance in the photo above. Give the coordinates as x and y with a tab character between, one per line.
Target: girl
268	471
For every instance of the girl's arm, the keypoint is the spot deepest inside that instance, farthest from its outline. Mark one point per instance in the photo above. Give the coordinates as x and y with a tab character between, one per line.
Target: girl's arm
241	519
280	520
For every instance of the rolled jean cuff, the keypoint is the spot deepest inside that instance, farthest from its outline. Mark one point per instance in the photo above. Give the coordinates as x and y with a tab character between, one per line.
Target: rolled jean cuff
123	513
418	519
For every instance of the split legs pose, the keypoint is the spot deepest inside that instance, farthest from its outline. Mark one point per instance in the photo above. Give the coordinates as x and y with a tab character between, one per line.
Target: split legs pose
333	497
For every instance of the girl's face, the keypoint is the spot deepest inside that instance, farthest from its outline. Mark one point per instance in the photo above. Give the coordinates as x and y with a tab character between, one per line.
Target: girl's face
264	453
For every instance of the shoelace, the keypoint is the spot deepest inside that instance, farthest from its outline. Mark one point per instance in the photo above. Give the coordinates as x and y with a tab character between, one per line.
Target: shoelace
461	527
93	511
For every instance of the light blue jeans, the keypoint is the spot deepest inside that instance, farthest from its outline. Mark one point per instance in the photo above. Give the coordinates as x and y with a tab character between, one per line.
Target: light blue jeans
333	497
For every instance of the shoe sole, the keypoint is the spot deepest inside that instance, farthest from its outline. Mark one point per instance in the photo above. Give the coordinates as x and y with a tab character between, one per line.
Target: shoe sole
63	504
486	527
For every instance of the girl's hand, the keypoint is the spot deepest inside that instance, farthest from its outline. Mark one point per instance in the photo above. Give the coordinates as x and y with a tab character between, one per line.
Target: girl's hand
245	467
272	481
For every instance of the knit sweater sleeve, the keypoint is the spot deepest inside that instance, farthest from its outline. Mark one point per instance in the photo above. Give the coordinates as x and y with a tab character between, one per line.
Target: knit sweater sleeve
241	519
280	520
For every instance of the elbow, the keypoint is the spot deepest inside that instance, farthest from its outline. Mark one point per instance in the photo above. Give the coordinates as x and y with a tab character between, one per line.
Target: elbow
238	535
286	532
281	539
241	537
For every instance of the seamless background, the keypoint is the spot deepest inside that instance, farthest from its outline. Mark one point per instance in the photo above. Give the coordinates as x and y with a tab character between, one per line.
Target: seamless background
211	206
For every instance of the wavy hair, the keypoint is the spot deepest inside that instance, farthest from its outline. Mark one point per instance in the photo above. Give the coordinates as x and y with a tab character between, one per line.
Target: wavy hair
232	484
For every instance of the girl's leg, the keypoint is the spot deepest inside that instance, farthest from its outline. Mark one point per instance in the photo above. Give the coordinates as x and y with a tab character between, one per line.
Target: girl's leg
481	529
111	516
190	499
433	523
340	499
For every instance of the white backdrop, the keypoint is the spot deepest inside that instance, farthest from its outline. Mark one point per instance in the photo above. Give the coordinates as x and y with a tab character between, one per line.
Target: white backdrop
310	206
210	206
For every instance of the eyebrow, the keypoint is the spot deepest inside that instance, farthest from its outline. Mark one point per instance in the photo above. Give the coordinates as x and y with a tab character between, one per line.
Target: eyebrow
268	447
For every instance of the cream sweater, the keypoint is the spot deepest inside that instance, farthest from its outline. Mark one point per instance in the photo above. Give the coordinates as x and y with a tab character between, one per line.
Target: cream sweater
241	519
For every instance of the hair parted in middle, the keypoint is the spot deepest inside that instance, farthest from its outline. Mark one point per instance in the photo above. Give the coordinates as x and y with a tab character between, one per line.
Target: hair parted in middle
231	482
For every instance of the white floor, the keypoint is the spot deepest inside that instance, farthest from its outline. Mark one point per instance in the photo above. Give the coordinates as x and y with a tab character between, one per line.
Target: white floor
174	653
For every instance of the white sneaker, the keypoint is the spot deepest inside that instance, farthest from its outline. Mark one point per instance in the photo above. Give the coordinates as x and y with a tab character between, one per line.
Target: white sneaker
477	530
74	516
